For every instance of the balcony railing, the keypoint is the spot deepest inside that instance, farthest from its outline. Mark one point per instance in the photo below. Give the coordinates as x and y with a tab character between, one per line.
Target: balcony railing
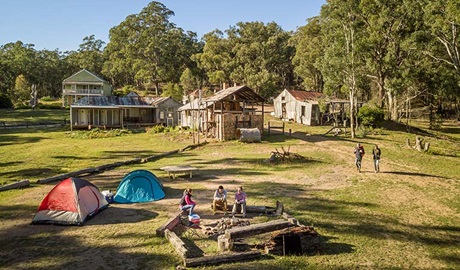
83	92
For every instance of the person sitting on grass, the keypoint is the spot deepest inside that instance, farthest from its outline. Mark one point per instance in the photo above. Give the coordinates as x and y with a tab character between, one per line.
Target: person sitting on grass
186	202
220	198
240	200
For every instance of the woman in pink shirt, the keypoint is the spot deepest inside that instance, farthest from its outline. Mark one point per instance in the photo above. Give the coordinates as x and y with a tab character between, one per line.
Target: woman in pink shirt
240	199
186	202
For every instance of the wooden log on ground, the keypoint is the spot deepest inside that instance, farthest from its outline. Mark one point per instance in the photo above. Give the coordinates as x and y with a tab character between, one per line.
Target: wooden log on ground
223	258
67	175
177	243
22	183
255	229
169	224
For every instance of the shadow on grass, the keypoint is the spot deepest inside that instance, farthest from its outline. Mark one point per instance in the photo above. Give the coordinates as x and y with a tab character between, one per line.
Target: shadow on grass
9	139
26	246
414	174
31	172
119	214
12	163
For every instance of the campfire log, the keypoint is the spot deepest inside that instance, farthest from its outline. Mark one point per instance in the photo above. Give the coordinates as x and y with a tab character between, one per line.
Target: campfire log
254	229
177	243
231	257
169	224
23	183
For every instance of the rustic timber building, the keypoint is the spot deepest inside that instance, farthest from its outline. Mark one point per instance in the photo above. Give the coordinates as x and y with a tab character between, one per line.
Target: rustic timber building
221	115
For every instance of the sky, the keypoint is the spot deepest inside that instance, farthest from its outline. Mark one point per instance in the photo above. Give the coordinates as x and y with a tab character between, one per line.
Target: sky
62	24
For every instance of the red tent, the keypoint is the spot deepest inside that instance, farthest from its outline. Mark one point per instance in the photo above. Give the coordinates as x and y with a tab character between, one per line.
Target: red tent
71	202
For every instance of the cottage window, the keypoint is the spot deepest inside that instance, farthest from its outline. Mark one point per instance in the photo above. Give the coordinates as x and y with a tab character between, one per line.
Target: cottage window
302	111
162	115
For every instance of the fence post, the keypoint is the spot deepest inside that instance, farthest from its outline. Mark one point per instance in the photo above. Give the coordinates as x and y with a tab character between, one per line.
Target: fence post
290	132
283	128
268	128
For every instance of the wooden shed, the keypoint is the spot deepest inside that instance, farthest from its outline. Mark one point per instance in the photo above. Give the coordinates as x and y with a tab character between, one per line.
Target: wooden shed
298	106
222	114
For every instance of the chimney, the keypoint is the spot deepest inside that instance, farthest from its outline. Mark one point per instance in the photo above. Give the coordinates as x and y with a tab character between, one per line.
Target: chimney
224	85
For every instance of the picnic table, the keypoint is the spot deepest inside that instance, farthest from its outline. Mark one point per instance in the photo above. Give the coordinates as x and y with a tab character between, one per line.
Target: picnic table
172	170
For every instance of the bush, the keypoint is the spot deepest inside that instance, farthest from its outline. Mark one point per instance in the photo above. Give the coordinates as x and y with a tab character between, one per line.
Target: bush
48	98
5	102
370	116
49	106
160	129
99	133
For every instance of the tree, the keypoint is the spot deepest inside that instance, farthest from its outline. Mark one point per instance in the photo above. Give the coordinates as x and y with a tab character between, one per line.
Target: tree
341	65
146	48
215	59
20	92
262	56
89	55
308	49
173	90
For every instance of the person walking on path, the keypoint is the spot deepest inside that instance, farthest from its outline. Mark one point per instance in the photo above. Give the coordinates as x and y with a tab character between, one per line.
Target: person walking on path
359	153
240	199
220	198
186	203
376	153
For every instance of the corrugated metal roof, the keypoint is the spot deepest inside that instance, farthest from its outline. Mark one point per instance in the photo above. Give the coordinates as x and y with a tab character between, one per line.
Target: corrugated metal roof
102	101
306	95
194	105
244	92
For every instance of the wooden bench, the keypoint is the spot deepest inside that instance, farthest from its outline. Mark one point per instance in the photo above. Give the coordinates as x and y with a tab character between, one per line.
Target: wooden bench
172	170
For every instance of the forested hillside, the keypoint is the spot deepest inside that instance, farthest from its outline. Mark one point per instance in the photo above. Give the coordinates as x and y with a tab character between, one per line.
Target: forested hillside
399	55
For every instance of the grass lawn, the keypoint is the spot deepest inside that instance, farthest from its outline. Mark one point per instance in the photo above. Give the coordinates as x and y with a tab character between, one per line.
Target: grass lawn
33	116
406	217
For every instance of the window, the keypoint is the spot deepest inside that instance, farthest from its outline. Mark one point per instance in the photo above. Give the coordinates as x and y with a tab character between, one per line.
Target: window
162	115
126	113
302	111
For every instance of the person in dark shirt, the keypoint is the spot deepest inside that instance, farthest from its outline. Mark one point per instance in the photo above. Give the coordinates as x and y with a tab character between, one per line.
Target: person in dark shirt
376	153
359	153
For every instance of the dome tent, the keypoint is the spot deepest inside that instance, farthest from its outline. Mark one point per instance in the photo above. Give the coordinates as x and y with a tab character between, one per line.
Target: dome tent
71	202
139	186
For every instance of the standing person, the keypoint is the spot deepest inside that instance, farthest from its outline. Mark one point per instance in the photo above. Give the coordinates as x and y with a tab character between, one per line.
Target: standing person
359	153
240	199
186	202
220	198
376	153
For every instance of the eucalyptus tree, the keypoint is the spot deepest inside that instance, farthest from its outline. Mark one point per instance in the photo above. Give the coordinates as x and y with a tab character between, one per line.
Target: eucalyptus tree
389	42
215	58
309	47
89	56
149	49
262	56
443	47
342	65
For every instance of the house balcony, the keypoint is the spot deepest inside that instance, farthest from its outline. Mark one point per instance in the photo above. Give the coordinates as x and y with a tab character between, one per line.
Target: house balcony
83	92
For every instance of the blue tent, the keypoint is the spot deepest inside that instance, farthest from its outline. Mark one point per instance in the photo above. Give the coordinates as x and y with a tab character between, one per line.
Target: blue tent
139	186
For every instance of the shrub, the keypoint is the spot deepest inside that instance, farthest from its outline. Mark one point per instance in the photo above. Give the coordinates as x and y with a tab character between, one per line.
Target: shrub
370	116
47	98
5	102
156	129
99	133
49	106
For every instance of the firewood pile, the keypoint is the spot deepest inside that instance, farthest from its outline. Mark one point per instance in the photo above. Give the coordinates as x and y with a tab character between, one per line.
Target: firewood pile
224	224
284	156
294	240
